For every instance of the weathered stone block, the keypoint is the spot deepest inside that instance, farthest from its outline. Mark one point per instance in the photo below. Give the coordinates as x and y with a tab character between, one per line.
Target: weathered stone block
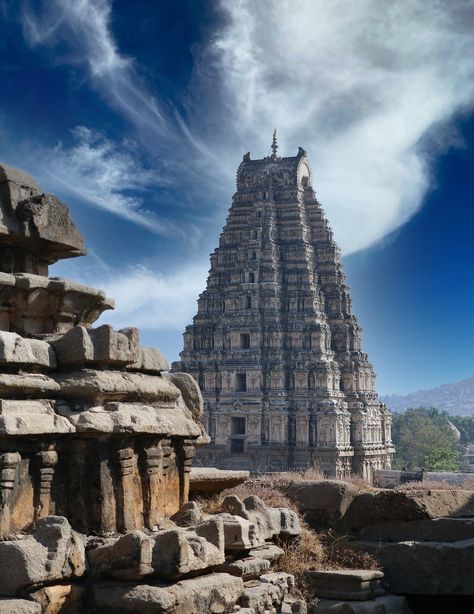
52	552
388	505
189	515
270	521
19	606
29	385
210	480
217	592
102	345
240	534
354	584
179	551
31	418
323	502
426	568
116	385
269	591
190	392
436	530
167	554
114	417
268	551
150	360
387	604
248	568
17	351
128	557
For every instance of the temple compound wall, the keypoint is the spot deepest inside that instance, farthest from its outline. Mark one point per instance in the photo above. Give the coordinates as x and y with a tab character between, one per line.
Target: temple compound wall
274	346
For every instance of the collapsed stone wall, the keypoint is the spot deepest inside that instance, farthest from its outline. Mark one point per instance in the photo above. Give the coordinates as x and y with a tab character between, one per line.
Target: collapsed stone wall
96	447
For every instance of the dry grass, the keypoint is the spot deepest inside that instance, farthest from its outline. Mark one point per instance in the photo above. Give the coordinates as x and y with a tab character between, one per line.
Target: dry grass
270	496
322	551
426	485
308	551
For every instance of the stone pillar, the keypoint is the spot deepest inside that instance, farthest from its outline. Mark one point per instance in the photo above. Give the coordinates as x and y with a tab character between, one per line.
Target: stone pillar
129	499
46	461
8	468
152	484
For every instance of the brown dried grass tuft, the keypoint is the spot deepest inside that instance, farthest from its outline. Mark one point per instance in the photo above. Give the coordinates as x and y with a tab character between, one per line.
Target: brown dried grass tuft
426	485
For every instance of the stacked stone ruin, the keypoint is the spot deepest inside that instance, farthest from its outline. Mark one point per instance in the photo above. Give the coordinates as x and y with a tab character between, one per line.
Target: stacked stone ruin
96	447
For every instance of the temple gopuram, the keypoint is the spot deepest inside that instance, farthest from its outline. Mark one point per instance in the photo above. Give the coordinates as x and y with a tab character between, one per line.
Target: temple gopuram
275	347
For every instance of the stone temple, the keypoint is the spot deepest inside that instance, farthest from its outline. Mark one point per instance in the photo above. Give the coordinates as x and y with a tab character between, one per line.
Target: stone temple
275	347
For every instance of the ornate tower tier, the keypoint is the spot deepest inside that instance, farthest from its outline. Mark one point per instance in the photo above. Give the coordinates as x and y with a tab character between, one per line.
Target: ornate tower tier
274	346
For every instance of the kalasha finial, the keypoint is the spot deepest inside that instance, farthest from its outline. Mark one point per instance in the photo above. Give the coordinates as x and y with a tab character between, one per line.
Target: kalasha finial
274	144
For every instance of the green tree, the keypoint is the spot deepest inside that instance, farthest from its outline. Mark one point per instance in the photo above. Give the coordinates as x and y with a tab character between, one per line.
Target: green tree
423	438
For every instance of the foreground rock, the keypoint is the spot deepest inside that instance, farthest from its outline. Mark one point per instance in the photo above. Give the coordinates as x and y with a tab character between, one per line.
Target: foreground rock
354	584
19	606
52	552
211	593
427	568
387	604
323	502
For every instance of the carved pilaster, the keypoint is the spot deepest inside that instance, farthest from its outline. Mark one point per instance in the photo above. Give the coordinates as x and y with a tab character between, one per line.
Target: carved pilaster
46	462
129	499
8	470
152	484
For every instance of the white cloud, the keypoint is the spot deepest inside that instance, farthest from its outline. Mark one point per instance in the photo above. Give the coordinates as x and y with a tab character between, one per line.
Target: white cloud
101	173
148	300
357	84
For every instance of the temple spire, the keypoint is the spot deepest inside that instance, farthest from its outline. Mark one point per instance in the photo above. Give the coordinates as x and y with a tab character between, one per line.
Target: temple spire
274	144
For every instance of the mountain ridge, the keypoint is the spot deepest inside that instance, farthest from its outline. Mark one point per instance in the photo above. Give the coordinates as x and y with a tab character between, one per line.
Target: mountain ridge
457	398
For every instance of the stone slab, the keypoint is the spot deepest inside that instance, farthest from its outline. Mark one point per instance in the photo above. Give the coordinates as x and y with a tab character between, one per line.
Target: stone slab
211	480
116	385
437	530
425	568
268	551
16	351
21	418
386	604
217	592
117	417
247	568
354	584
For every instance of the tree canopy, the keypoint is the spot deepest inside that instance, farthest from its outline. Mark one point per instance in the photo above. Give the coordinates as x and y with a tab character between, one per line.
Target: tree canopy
424	438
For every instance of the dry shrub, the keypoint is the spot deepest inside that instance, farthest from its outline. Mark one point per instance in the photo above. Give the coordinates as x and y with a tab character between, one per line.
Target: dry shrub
300	555
210	505
340	555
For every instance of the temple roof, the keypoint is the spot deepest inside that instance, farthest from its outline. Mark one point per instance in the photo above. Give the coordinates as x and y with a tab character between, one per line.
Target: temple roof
273	172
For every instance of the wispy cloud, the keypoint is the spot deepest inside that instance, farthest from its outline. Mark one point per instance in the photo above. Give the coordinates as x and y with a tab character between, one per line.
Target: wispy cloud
358	84
144	298
100	173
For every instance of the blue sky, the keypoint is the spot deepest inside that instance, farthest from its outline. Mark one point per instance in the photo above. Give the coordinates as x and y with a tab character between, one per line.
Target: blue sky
137	116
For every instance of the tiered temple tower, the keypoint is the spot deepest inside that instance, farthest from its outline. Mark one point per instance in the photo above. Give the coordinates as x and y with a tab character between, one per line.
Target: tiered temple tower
274	346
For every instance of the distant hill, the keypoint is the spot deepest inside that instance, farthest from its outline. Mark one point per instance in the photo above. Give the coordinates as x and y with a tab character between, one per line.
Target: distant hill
456	398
